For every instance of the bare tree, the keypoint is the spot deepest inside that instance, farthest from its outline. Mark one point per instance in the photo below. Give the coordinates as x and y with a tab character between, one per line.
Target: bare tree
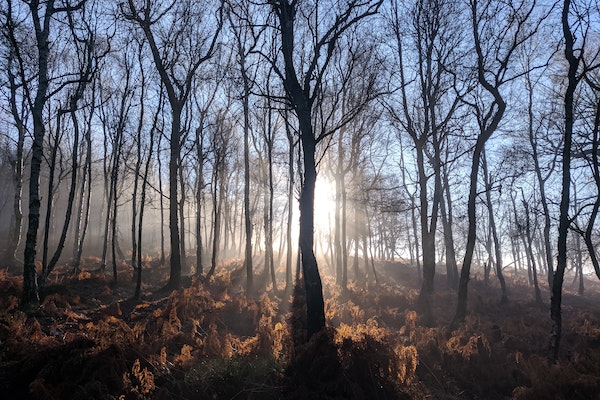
303	88
16	79
427	105
492	224
178	50
247	36
498	29
85	48
577	58
42	16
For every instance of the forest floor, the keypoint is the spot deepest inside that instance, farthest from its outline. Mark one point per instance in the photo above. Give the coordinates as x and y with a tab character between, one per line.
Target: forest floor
90	340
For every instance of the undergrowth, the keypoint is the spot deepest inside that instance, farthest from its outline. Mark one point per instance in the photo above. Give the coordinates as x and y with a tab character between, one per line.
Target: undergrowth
90	340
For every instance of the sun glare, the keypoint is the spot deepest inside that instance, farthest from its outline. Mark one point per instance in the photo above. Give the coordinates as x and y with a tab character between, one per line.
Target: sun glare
324	216
324	206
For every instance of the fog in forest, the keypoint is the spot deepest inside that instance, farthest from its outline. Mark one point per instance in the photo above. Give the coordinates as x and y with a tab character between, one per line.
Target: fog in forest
374	199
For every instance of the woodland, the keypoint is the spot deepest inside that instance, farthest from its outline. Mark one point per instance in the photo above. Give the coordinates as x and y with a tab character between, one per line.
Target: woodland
299	199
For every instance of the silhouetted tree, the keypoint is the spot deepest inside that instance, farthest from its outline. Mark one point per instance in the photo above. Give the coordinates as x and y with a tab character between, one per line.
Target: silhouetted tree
178	50
303	82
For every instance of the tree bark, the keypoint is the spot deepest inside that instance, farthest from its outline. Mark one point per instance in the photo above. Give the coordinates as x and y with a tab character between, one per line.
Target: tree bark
10	255
563	223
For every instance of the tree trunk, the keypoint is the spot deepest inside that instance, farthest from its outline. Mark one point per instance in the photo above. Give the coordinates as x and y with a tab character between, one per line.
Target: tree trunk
181	206
529	248
138	286
88	195
579	264
498	250
563	224
162	205
217	203
290	196
199	189
271	194
136	176
10	255
542	184
461	308
114	205
312	280
51	189
451	266
30	295
247	211
73	186
108	194
175	274
587	235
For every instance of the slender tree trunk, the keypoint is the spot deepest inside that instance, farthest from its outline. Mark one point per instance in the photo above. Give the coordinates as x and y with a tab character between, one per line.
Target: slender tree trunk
529	248
579	264
563	224
175	275
290	196
108	194
10	255
217	203
199	189
461	308
73	186
497	248
587	235
138	286
136	178
114	205
79	213
542	186
451	266
30	296
337	245
181	205
88	195
271	192
428	229
247	211
344	237
161	204
49	201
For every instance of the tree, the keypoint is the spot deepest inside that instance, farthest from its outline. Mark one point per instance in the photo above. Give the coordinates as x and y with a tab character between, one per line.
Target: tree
19	111
177	50
85	49
528	243
247	35
498	30
593	160
85	192
576	58
492	224
303	83
534	138
428	101
42	16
